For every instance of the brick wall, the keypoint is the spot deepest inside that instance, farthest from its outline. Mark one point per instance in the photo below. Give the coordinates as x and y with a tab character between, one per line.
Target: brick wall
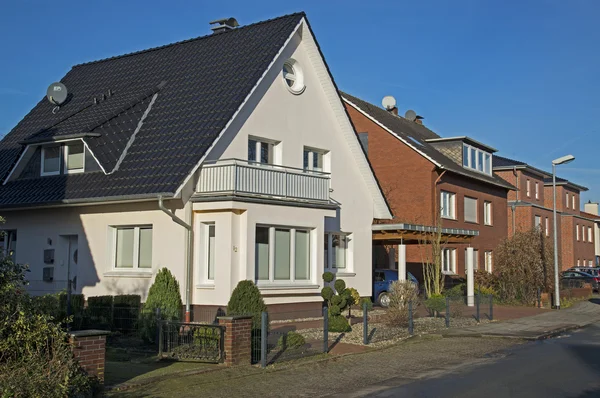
238	340
561	199
89	349
583	249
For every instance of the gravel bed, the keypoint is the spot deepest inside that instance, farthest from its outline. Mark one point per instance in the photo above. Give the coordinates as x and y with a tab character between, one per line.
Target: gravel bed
381	334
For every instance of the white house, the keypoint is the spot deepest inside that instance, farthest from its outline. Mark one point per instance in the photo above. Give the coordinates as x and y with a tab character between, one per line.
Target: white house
241	134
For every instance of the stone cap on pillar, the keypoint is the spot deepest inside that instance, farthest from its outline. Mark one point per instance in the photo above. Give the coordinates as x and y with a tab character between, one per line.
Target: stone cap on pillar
234	317
89	333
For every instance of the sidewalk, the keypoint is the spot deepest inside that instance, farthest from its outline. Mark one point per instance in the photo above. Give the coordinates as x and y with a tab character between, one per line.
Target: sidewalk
536	327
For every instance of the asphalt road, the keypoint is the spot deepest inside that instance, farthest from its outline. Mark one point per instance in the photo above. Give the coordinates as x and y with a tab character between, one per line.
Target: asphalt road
567	366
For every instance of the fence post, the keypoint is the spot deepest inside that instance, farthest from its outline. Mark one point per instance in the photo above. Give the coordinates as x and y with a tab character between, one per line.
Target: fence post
69	302
447	311
477	306
158	329
365	325
264	320
411	325
325	331
491	307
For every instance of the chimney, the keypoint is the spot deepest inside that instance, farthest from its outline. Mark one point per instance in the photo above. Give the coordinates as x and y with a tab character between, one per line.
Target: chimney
591	208
394	110
224	25
419	119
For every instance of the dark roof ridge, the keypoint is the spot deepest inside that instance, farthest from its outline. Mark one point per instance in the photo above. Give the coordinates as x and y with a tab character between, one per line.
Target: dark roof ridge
302	13
405	120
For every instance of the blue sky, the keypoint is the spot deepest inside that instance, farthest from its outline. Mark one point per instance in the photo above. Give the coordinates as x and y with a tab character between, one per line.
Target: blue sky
521	76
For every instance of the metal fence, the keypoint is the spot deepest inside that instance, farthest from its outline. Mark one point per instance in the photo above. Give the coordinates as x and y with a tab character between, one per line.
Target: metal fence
429	316
191	341
290	335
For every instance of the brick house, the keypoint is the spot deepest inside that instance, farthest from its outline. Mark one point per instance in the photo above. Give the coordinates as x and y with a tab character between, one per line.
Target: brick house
531	204
420	172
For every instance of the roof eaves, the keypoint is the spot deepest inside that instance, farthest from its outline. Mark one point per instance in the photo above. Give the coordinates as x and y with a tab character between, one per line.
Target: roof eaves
463	138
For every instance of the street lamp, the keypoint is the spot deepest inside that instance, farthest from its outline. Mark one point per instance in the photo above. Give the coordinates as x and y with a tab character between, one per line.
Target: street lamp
556	162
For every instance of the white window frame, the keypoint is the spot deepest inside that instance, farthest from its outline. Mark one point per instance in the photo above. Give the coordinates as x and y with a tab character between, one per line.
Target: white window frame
577	231
590	234
489	261
537	190
328	265
567	196
311	155
583	233
296	76
547	227
537	222
448	254
66	158
206	253
451	211
271	281
528	188
469	199
487	213
136	248
60	155
273	158
573	202
474	164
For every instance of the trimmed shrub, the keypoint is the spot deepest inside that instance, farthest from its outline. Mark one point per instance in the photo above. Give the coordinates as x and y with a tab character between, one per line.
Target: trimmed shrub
77	309
327	293
435	304
334	310
338	323
100	312
327	277
366	300
126	312
340	286
457	291
291	340
164	294
247	300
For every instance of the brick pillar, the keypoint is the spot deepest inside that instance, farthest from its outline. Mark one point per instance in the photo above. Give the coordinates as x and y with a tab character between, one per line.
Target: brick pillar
89	349
238	339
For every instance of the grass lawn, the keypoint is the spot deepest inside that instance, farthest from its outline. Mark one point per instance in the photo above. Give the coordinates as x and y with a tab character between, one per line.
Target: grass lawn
127	367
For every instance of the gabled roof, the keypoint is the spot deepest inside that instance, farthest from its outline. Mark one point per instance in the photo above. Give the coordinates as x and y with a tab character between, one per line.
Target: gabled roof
417	136
167	106
562	181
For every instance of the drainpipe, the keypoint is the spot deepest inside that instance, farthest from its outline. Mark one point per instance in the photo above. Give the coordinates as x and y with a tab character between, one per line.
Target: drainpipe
190	248
435	196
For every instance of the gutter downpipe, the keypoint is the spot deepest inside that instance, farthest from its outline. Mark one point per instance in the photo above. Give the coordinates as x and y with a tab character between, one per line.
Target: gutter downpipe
435	195
514	207
190	248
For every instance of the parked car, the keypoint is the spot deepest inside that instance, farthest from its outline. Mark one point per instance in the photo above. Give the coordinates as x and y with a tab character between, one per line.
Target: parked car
382	278
594	271
575	279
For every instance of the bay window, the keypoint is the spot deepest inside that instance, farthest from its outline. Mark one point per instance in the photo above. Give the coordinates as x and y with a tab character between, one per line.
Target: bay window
282	254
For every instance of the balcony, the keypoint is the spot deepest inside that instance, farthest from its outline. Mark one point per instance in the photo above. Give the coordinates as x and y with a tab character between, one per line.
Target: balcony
234	177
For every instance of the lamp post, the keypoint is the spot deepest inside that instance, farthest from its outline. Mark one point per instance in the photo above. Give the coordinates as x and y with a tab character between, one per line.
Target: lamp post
556	162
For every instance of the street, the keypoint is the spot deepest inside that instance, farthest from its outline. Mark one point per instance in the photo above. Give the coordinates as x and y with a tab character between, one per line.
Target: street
566	366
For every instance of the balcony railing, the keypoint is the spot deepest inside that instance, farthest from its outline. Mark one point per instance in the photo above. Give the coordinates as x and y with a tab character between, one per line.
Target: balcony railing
240	177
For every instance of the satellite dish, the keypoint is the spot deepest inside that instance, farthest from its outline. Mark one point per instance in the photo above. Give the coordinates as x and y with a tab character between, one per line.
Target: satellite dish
388	102
410	115
57	93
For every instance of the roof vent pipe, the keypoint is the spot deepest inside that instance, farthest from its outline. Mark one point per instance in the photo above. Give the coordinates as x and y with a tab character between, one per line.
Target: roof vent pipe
224	25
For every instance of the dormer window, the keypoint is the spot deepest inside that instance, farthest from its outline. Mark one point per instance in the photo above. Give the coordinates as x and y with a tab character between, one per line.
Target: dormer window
477	159
74	157
66	158
51	160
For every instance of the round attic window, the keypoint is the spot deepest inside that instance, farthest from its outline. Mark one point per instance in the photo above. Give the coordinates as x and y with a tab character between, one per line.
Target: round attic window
293	76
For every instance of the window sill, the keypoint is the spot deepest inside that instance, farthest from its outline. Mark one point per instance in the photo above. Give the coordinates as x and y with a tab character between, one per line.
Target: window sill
129	274
273	286
450	272
448	218
205	286
340	273
472	222
488	225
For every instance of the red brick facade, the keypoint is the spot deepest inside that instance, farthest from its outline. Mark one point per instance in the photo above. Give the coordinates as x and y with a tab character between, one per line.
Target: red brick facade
89	349
526	210
238	340
409	182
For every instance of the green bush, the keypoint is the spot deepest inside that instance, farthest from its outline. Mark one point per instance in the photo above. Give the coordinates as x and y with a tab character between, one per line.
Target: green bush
48	304
247	300
327	293
340	286
338	323
100	312
37	360
327	277
126	312
457	291
435	304
336	300
291	340
334	310
366	300
164	294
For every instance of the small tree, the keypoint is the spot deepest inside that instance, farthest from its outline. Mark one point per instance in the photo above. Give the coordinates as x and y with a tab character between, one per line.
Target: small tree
401	293
336	303
431	244
165	295
524	264
247	300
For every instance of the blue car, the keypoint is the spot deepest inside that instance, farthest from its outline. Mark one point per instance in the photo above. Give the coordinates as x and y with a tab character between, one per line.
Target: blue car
382	278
